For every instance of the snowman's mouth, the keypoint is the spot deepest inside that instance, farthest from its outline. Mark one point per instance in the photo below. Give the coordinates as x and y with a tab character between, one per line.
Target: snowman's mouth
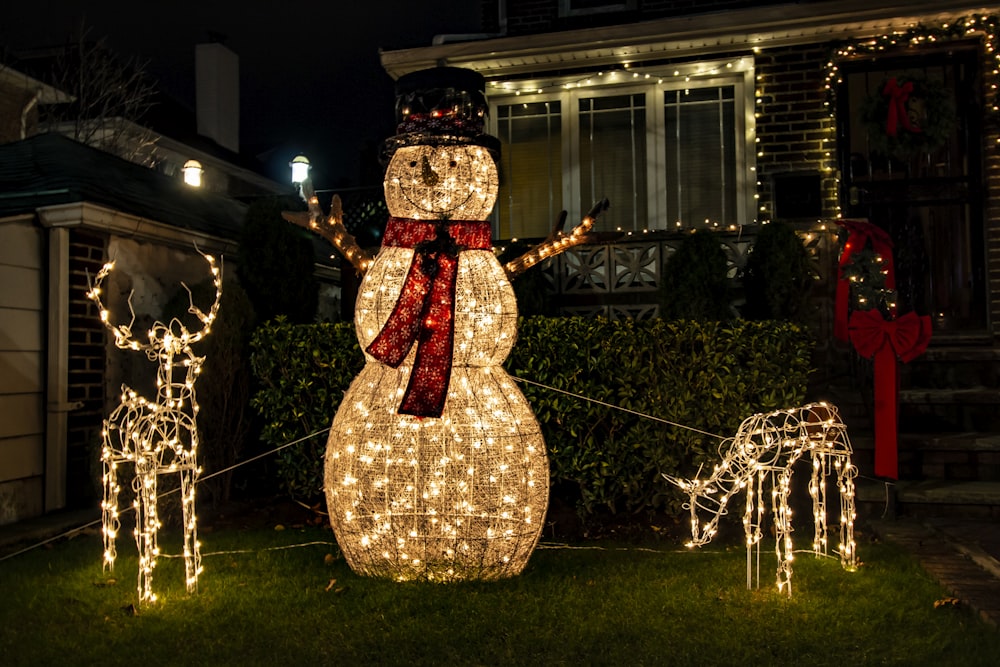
423	198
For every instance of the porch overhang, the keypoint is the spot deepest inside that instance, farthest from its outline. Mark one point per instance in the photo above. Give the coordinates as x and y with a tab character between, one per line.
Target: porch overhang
679	37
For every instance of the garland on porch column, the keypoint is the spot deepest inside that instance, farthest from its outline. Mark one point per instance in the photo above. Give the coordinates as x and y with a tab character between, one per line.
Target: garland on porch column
866	315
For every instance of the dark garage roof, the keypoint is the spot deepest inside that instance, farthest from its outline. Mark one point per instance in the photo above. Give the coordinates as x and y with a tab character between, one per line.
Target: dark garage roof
50	169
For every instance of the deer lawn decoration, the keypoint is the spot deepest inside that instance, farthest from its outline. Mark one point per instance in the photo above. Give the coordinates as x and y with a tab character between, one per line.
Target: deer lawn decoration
158	436
765	449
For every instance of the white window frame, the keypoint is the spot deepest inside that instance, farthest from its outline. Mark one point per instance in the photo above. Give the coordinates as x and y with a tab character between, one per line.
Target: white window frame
653	81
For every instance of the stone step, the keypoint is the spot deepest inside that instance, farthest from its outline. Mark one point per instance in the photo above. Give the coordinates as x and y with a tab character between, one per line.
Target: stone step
957	396
966	456
928	498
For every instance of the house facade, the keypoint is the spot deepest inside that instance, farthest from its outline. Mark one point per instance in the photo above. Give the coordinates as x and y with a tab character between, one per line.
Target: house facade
728	115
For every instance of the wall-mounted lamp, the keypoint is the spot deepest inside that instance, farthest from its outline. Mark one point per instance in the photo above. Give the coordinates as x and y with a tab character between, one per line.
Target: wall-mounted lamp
192	173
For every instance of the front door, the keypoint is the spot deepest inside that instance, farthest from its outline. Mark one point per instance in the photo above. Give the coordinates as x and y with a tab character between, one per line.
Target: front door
909	138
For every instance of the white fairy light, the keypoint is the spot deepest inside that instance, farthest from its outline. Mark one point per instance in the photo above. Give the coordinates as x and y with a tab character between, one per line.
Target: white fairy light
155	437
764	450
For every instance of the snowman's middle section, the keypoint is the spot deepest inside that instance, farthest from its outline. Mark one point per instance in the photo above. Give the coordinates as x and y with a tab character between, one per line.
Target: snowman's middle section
460	496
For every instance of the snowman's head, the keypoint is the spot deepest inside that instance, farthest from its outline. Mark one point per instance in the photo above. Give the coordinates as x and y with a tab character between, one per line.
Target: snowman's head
429	182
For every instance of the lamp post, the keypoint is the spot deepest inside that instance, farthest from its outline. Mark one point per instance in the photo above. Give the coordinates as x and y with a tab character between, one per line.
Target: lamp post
300	168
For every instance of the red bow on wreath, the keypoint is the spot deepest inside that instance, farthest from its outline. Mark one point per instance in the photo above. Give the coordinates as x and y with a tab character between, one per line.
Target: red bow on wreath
904	338
898	96
861	232
425	311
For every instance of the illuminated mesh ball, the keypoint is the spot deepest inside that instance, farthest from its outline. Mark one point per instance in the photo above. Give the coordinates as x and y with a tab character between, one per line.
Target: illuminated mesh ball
462	496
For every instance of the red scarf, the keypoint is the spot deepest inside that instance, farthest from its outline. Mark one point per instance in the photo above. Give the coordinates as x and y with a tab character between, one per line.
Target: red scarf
425	310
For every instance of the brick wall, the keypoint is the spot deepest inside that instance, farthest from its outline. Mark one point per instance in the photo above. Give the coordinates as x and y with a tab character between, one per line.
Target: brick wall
526	17
86	370
795	130
991	176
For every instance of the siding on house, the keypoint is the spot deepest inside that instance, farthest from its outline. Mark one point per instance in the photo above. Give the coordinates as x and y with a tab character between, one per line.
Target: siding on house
22	428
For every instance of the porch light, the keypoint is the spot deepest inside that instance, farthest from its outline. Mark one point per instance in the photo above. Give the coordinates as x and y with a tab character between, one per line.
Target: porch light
192	173
300	168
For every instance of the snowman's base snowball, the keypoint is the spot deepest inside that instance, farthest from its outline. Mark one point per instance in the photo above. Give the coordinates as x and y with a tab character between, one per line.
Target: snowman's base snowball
460	497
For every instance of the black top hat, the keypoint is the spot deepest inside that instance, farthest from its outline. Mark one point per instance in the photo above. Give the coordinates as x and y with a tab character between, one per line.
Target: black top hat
441	106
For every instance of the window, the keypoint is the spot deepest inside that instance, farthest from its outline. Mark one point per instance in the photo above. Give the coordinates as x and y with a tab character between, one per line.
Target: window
670	147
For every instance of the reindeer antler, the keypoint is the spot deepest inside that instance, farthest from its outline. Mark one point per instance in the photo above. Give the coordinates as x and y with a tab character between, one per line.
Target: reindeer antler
124	338
333	231
557	241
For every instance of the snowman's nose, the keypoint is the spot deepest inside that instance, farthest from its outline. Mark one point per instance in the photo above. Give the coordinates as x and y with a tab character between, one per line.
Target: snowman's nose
427	172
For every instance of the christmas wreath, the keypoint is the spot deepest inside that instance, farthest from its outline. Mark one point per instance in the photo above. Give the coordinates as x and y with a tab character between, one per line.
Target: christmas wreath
908	115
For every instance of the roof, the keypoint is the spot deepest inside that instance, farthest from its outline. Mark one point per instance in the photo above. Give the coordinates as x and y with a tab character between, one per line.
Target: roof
697	34
51	169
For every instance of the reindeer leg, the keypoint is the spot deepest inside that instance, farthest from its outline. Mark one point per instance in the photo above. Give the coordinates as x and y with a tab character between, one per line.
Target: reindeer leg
783	531
817	491
146	527
110	521
845	484
192	553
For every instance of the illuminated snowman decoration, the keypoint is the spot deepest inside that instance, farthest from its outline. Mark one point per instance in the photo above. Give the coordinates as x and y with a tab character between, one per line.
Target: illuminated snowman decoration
435	466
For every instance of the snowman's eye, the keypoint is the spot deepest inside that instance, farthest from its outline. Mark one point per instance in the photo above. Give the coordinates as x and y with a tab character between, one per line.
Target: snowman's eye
452	163
413	163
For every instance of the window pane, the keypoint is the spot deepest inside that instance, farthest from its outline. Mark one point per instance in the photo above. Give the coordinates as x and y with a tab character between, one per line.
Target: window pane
613	159
530	169
701	156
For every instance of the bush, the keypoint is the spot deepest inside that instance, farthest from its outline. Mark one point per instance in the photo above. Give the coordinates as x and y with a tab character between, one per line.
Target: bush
302	373
778	276
276	262
695	286
707	376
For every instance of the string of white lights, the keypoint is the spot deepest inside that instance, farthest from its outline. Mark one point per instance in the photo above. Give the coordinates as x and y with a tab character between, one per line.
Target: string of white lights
618	407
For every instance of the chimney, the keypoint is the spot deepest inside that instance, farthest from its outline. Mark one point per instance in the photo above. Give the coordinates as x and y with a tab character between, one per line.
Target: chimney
217	94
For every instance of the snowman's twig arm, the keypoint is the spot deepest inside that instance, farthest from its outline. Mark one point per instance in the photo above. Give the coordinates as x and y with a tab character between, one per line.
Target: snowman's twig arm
330	227
557	241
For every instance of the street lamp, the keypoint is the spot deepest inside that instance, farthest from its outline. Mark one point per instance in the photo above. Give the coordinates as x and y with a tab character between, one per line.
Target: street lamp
300	168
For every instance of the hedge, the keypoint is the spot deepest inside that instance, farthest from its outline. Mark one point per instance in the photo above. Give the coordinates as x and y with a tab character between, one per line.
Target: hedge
707	376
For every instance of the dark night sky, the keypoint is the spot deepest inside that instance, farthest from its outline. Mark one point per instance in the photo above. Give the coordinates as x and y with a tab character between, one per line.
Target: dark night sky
310	77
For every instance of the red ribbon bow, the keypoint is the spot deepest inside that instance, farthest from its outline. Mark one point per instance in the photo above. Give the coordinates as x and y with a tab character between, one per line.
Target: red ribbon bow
861	232
425	310
885	340
898	95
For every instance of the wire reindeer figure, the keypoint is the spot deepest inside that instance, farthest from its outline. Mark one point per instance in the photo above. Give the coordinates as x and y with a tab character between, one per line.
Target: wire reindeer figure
156	436
763	452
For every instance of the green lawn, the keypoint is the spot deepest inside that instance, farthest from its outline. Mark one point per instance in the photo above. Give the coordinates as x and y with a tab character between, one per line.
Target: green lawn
620	605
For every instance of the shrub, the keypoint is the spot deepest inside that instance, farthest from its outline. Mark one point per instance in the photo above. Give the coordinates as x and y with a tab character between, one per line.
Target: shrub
276	262
707	376
695	286
302	373
778	276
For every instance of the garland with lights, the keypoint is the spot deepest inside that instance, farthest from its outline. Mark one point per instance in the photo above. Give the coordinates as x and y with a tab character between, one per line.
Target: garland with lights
985	25
870	322
765	449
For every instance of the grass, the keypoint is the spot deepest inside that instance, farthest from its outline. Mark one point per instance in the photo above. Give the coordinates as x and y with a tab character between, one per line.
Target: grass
619	605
